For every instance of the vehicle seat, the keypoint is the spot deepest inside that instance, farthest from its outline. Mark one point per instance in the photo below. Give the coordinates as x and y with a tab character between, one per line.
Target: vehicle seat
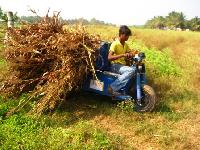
102	62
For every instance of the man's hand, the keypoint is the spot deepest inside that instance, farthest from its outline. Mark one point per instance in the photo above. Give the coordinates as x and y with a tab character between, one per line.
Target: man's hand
128	55
131	53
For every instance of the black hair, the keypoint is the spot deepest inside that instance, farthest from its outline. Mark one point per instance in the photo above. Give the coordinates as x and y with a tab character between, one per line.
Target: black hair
125	30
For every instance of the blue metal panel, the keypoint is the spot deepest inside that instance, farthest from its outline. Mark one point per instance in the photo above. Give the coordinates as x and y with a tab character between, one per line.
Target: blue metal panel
143	79
138	86
107	80
123	97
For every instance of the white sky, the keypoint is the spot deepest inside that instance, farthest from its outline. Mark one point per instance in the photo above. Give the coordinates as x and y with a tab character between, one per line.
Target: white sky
130	12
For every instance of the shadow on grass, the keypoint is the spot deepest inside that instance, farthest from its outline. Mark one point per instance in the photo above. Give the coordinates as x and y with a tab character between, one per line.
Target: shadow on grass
85	106
163	107
160	87
167	92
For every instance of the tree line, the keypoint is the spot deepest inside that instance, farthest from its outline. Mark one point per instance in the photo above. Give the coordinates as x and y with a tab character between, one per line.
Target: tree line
32	19
174	20
93	21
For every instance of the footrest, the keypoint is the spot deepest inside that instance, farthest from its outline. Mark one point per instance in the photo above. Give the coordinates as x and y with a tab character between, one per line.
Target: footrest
111	73
122	97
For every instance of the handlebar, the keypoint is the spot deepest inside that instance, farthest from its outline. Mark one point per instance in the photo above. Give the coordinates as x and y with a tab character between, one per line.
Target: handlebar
139	57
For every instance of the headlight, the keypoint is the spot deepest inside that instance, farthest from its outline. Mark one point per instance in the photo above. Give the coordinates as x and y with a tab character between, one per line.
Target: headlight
140	67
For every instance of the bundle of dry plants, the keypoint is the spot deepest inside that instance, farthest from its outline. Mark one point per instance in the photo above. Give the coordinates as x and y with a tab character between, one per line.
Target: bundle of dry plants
48	61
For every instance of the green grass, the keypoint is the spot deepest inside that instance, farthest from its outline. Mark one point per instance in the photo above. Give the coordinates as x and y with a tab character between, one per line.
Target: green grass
27	133
159	61
91	122
21	131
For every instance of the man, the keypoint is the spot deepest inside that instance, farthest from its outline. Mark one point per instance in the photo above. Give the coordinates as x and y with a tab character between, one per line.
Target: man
118	53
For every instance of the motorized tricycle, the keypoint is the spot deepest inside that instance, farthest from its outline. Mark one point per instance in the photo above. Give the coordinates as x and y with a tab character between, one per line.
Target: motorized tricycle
136	89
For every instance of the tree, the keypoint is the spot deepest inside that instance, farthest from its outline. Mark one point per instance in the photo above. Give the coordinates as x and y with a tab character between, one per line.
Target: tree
157	22
83	21
172	21
1	12
3	16
31	19
195	24
96	22
175	20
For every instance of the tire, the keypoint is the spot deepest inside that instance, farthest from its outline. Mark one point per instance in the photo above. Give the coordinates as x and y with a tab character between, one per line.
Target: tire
148	100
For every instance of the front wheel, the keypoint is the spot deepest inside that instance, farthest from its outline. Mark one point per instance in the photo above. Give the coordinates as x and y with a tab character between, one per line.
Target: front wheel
148	100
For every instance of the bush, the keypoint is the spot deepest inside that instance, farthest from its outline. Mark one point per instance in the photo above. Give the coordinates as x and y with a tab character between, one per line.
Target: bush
159	62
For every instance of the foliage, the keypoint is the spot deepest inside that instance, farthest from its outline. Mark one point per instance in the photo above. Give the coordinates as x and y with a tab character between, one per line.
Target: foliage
127	106
75	21
95	122
194	24
23	132
1	12
4	17
158	61
174	20
49	60
31	19
157	22
83	21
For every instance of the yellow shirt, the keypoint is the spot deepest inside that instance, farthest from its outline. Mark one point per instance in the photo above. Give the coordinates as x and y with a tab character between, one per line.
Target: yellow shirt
117	48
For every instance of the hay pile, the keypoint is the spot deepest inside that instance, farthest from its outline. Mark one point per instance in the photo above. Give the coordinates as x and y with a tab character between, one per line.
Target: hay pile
48	61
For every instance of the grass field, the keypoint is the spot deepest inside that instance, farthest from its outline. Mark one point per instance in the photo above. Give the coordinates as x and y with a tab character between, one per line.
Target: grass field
92	122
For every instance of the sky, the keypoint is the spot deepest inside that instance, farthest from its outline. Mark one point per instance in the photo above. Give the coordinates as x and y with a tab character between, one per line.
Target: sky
129	12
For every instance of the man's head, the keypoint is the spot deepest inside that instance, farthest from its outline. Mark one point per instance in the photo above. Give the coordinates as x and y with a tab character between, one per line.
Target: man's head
124	33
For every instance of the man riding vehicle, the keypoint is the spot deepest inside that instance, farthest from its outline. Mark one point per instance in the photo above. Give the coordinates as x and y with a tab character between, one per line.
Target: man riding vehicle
118	54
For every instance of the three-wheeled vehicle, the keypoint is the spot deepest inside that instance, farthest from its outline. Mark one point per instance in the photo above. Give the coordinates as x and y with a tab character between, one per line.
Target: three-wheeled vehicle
136	89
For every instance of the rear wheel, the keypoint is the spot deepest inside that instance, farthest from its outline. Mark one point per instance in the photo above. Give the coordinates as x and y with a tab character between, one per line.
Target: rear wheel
148	100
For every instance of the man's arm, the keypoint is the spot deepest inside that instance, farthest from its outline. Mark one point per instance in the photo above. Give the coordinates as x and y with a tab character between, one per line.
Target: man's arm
112	57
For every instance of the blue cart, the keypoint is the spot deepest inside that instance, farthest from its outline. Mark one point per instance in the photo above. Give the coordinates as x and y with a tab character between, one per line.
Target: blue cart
136	89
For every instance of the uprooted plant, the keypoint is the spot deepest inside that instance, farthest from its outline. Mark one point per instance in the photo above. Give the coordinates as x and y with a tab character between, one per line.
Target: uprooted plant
48	61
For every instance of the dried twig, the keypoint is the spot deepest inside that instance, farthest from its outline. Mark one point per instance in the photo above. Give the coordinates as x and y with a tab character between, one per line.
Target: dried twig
45	58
